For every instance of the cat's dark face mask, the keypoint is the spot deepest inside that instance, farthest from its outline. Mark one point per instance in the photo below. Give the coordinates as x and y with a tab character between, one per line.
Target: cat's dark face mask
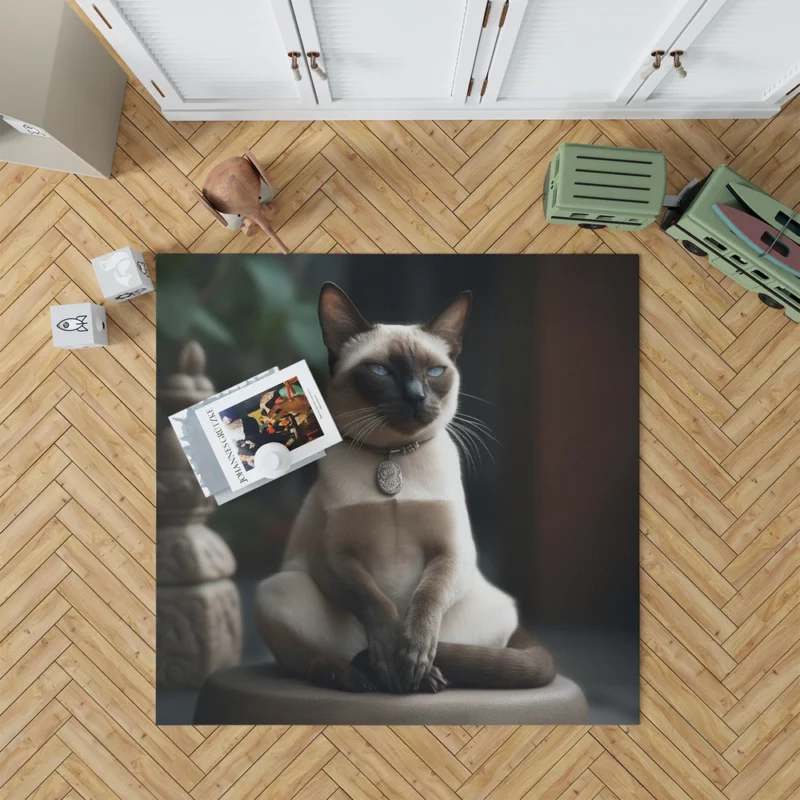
391	378
408	387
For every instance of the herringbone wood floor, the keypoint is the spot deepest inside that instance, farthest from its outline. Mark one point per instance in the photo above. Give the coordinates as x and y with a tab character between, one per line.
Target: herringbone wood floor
720	471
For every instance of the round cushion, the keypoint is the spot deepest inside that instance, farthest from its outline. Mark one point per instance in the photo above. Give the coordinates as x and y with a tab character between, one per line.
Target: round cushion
261	694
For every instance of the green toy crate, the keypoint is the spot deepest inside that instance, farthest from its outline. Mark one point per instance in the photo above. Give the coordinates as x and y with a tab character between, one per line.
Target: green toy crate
597	187
701	231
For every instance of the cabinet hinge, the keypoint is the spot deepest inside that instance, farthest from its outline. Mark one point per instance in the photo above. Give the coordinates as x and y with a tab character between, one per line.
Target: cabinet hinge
469	88
503	15
486	13
483	88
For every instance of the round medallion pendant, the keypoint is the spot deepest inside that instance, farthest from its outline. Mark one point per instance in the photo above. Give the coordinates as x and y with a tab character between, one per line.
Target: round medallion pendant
390	477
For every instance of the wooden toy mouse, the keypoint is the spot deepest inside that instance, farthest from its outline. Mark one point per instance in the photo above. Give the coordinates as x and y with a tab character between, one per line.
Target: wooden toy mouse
233	188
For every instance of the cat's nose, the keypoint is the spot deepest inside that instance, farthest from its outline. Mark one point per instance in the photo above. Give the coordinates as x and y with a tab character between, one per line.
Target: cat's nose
414	393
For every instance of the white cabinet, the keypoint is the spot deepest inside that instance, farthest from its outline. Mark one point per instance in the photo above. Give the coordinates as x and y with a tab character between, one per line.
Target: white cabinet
734	51
431	59
216	56
567	53
385	54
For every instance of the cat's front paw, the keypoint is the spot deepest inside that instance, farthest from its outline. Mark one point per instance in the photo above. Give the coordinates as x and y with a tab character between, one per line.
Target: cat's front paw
336	673
433	682
381	647
415	656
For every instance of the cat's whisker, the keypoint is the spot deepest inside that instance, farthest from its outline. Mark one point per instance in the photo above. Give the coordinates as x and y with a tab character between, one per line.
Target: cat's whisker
478	425
473	428
461	445
474	447
353	424
355	421
469	451
481	426
353	430
361	438
470	416
475	397
364	428
474	439
456	440
368	429
477	438
354	411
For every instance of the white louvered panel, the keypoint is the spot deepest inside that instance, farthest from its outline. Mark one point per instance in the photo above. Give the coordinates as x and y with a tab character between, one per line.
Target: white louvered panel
389	49
214	50
583	50
742	53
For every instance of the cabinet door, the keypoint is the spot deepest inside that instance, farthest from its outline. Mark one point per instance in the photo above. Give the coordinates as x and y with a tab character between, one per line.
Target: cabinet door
742	51
391	54
206	54
575	54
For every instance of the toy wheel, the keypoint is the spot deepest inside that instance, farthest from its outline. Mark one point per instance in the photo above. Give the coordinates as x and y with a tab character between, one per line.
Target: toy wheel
592	226
693	248
769	301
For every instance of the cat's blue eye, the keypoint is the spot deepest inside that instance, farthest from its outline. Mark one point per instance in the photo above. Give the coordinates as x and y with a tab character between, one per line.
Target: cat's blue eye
435	372
378	369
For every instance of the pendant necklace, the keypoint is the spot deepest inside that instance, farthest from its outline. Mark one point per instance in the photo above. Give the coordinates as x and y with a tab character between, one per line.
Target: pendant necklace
388	474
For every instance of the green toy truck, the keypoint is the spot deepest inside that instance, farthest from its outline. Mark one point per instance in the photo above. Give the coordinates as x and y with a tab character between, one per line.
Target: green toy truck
597	187
605	187
700	230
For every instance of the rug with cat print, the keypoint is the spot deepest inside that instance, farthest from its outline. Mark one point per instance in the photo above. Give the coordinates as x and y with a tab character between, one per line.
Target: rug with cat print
473	534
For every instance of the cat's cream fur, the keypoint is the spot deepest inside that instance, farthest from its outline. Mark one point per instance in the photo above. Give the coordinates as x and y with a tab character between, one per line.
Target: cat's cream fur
392	576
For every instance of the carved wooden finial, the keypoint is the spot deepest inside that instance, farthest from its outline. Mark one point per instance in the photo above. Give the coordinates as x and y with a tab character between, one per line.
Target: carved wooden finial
184	388
192	358
190	384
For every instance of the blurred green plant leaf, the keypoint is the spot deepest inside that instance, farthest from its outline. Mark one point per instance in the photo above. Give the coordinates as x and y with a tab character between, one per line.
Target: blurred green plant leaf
303	329
269	326
177	303
221	289
207	324
271	280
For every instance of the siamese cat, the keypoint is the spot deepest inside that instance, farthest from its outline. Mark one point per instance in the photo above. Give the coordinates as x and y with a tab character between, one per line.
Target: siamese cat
383	591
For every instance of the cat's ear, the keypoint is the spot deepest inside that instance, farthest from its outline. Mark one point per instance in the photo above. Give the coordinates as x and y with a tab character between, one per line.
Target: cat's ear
450	324
338	317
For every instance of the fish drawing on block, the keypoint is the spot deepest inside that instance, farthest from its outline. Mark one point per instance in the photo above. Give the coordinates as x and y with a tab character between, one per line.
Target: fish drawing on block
767	241
77	324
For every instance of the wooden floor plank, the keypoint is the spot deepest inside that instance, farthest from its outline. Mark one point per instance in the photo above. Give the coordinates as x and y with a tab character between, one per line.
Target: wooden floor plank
159	131
419	161
437	143
392	170
30	266
768	616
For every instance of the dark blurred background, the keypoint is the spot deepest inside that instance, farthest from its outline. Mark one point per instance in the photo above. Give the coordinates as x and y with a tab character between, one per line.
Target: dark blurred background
549	363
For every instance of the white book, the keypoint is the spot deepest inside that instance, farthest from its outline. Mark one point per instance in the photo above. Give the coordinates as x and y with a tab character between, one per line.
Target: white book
245	436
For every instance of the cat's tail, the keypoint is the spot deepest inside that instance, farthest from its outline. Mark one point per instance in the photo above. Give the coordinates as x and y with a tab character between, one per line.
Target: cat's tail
522	664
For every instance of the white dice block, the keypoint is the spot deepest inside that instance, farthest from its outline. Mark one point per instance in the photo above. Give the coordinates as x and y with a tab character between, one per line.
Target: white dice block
122	274
78	325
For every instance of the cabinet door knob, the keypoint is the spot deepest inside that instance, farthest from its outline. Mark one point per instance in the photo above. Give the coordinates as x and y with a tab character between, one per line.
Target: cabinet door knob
657	56
676	58
315	68
295	67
